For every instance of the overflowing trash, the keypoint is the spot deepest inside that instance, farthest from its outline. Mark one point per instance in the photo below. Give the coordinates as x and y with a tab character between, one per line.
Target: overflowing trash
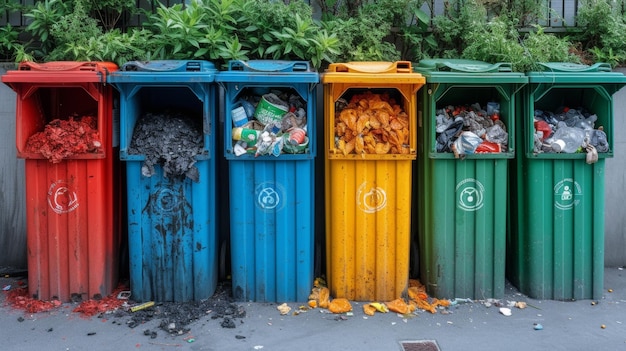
18	298
371	123
62	138
171	140
569	130
417	300
471	129
271	123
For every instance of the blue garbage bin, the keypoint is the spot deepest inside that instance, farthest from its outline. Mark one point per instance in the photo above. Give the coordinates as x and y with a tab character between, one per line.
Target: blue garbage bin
170	198
270	146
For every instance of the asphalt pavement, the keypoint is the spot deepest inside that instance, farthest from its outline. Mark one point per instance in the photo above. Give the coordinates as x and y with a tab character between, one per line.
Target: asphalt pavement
476	325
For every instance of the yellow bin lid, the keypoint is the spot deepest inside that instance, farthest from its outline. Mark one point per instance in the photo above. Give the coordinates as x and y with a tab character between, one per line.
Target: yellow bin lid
372	74
381	72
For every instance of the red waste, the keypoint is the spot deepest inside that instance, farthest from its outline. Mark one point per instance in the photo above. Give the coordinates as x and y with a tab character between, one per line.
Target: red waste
64	138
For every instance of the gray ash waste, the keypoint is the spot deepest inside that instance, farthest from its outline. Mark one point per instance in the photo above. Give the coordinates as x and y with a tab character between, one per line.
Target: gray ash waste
171	140
175	318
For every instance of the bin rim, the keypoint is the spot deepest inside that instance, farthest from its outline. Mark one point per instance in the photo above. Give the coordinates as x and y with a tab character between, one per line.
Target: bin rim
168	66
263	72
462	65
372	72
167	72
270	66
572	73
468	71
68	71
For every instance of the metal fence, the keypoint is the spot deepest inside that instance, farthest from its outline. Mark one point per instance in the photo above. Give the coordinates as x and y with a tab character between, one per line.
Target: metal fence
556	14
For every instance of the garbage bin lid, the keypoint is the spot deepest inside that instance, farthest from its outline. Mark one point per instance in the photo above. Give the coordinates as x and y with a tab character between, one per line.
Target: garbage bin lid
270	66
168	66
60	72
371	67
459	65
268	71
380	72
164	71
574	73
574	67
460	71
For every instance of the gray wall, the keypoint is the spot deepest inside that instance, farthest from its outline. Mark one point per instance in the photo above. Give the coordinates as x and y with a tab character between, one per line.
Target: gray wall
12	200
615	187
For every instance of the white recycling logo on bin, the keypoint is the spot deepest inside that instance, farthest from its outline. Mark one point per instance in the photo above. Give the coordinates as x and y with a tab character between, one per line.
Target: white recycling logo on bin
61	197
567	193
370	198
269	196
471	194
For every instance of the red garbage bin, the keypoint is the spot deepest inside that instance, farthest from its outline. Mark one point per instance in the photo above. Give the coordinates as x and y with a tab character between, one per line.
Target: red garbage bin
64	131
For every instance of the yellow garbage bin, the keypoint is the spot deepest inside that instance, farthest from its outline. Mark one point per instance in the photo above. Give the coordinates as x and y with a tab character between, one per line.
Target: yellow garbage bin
370	144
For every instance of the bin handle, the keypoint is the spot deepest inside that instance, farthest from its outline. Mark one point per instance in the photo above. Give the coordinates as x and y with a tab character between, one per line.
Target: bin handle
193	66
372	67
301	66
59	66
576	67
269	66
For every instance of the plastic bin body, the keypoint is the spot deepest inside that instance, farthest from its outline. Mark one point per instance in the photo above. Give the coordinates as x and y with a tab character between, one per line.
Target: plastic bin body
462	202
271	198
368	196
556	242
73	217
171	221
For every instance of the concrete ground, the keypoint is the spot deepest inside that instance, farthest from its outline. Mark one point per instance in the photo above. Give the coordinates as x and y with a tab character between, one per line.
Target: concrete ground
574	325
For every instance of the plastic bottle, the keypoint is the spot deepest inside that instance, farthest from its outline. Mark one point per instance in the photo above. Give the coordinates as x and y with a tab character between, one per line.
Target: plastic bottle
250	136
567	139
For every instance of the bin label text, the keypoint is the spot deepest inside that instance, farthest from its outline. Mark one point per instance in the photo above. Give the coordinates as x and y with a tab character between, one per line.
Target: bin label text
567	194
470	194
371	199
61	197
269	196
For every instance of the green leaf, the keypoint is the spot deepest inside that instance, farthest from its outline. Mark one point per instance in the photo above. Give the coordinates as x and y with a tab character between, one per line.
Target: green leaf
272	49
200	52
422	16
431	40
194	42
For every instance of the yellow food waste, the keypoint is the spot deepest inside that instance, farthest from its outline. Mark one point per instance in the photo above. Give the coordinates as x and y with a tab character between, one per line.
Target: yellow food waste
372	124
340	305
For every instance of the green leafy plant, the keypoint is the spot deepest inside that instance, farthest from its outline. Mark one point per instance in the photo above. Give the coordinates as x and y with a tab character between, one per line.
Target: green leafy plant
222	30
42	18
543	47
8	40
109	12
178	31
72	34
601	30
363	38
363	30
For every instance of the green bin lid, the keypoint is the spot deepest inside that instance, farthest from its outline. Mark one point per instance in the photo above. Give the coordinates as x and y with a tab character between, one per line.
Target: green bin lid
468	71
574	73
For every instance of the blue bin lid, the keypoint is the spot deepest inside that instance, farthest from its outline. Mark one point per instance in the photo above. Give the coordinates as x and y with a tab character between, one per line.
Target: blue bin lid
468	71
165	71
269	71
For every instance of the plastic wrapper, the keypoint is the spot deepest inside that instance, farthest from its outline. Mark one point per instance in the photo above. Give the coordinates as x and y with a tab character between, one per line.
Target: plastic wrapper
466	143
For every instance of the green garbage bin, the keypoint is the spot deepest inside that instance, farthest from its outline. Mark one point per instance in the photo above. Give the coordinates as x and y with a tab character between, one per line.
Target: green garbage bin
462	191
556	241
